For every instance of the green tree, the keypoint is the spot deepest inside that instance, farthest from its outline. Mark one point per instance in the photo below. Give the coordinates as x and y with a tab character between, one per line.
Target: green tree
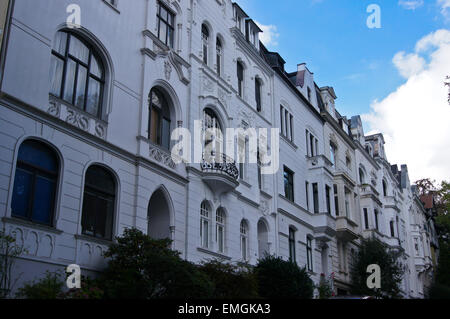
143	268
9	251
48	287
372	251
231	281
280	279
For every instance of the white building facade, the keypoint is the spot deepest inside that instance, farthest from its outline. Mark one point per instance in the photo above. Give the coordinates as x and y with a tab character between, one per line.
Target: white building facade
87	114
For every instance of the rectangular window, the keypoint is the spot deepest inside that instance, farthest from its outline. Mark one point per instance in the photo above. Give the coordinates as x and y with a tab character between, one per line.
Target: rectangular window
240	76
292	127
392	228
311	141
309	254
336	199
165	25
288	184
307	144
292	257
333	154
376	219
281	120
258	94
327	192
316	197
366	219
307	195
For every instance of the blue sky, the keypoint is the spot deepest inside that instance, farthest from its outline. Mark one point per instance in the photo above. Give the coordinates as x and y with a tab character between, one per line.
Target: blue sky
332	37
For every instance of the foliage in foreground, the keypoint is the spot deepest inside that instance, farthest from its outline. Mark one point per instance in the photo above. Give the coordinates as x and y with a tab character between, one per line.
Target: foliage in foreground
140	267
280	279
372	252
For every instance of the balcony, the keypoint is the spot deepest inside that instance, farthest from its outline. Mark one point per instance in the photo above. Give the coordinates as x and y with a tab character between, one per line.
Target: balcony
347	230
324	227
220	173
391	202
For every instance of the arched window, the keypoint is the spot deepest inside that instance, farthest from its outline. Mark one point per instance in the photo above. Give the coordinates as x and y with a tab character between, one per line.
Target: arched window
220	230
244	240
205	216
205	43
35	182
77	74
292	257
258	85
159	119
214	134
98	203
240	77
219	56
384	188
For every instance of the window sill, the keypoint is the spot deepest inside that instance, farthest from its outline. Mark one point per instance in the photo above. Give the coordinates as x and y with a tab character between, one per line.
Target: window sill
215	254
289	142
26	223
100	241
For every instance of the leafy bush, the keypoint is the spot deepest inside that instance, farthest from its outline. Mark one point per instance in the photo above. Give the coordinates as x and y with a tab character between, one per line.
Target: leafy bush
48	287
372	251
143	268
231	281
279	279
324	288
89	290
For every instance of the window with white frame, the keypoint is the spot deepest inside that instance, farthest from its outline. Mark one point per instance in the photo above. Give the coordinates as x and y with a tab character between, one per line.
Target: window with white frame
204	225
309	253
220	230
287	123
244	240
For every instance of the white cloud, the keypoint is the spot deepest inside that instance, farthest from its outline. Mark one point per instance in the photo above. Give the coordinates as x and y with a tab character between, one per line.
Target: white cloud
415	119
409	64
445	8
269	36
410	4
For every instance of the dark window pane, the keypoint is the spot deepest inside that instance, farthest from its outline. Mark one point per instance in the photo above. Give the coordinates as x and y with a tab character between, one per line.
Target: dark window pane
93	99
98	205
60	43
33	153
100	179
165	134
56	74
44	197
96	67
70	81
21	193
78	50
81	86
88	219
162	32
